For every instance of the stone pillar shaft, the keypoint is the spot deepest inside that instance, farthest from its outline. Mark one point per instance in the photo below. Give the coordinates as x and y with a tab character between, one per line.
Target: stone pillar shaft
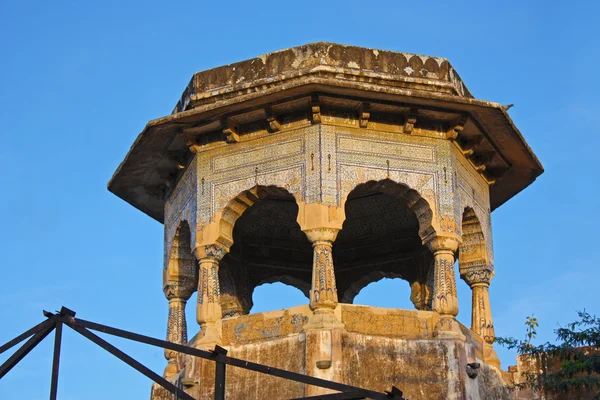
479	279
208	310
481	318
323	294
445	300
176	326
323	291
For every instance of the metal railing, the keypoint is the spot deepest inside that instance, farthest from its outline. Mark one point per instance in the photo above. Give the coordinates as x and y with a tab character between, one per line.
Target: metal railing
55	322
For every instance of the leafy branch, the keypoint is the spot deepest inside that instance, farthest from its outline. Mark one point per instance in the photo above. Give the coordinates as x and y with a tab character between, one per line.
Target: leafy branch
571	365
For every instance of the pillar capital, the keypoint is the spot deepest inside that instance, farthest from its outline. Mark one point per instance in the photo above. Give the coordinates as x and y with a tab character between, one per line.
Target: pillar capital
477	276
212	251
179	289
442	243
316	235
317	216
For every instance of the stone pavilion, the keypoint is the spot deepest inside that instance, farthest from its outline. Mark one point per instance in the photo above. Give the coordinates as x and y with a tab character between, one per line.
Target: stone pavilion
328	167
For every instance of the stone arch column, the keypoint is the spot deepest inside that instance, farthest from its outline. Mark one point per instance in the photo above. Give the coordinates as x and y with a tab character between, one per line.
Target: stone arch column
208	308
445	299
477	272
179	282
321	225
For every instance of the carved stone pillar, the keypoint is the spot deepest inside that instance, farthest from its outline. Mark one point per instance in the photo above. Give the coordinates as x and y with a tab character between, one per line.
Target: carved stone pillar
420	295
176	325
208	309
421	289
445	300
323	292
479	280
179	282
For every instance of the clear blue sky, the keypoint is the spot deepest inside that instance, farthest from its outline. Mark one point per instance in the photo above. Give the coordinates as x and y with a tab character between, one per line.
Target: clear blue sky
79	80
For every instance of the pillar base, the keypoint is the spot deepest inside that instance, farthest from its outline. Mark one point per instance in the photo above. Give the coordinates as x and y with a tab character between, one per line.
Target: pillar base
447	328
170	370
209	338
321	320
490	356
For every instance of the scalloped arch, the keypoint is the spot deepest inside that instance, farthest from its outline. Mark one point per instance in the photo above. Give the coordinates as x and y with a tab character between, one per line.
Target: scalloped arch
414	201
373	276
240	203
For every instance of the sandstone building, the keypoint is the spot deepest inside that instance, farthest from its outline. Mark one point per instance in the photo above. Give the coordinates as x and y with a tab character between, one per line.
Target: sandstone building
328	167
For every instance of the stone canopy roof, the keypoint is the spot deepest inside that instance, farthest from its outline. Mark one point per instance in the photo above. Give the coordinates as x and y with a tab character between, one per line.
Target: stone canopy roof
220	100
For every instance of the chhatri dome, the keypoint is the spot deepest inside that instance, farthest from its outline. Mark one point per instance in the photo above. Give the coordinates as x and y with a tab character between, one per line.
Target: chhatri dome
328	167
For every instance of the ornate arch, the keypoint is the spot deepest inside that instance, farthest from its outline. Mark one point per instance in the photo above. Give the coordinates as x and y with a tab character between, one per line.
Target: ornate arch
360	284
414	201
472	250
240	203
181	270
299	284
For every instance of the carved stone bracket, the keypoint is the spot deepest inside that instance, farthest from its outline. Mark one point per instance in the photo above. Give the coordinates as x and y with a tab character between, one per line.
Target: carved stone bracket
231	131
274	123
456	128
410	121
315	105
364	114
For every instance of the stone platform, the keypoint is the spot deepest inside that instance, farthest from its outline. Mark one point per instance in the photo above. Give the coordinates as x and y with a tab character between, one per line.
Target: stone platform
376	348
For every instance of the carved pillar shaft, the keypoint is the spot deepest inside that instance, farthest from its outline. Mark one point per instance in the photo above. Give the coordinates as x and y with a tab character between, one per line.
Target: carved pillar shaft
208	307
208	310
177	292
479	279
323	294
481	318
444	300
176	326
321	225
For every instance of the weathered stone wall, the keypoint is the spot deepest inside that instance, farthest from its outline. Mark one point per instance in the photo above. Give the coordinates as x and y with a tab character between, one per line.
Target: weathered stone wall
377	348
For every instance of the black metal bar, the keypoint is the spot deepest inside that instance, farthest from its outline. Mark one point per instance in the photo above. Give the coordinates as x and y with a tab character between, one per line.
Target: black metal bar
395	393
138	338
310	380
336	396
56	360
220	369
25	349
179	393
25	335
